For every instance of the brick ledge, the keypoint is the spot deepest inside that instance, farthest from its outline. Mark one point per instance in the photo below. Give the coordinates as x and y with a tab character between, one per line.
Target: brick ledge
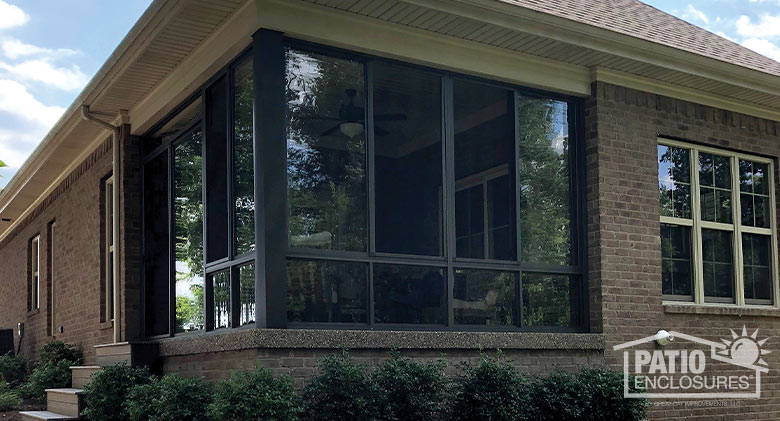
366	339
721	310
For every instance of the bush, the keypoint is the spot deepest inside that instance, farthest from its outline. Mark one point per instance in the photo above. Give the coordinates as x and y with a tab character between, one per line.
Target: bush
603	390
13	369
255	395
172	398
409	390
493	390
558	396
52	369
8	398
107	391
341	391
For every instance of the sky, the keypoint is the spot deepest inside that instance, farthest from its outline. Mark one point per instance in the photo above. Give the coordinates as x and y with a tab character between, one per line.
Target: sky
49	49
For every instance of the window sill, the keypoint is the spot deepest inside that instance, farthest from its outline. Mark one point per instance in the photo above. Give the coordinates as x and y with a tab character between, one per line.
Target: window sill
234	340
106	325
721	309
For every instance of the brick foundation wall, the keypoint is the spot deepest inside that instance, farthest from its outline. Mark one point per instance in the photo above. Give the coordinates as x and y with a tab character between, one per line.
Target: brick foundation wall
76	208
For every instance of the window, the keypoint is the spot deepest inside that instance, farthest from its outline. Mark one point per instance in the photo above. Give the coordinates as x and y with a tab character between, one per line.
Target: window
421	198
35	279
718	241
50	313
108	223
199	220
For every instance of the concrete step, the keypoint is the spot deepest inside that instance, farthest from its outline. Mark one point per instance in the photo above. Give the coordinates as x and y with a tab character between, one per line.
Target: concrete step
131	354
83	374
67	401
44	415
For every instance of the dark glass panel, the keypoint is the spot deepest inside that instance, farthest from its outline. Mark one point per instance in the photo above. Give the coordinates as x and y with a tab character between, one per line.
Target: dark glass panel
484	151
246	284
545	195
745	176
715	190
470	222
722	171
754	200
717	264
217	233
756	252
243	158
681	201
188	231
327	292
220	284
409	294
549	300
183	120
761	208
760	179
677	278
408	159
156	246
484	297
746	208
326	152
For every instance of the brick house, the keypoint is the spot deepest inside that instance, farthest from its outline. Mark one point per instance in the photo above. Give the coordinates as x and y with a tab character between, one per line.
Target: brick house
264	182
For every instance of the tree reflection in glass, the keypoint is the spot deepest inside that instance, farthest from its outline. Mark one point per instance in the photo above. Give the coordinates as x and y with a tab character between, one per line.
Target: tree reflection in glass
188	231
543	167
243	158
326	152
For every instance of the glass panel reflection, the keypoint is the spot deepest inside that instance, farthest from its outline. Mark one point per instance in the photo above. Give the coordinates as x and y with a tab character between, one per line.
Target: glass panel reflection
484	297
326	152
325	291
243	158
246	285
677	272
674	181
756	252
220	284
715	187
549	300
409	294
718	268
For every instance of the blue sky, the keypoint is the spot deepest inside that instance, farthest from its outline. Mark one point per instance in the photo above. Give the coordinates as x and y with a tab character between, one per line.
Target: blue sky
49	49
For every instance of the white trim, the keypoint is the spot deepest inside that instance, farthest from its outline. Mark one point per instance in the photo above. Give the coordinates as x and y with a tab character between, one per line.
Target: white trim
736	227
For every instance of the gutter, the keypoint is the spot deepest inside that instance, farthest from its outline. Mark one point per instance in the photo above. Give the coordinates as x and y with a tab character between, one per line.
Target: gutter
86	115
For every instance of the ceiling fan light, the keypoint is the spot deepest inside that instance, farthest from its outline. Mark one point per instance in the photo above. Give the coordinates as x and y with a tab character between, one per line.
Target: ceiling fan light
351	129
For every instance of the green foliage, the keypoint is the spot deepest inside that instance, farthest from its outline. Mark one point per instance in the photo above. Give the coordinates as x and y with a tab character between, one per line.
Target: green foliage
107	391
493	390
9	399
603	391
341	391
172	398
13	369
52	369
56	351
255	395
409	390
558	397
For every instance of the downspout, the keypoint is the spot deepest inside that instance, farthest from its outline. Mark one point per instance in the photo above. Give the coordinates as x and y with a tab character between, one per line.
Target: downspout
115	217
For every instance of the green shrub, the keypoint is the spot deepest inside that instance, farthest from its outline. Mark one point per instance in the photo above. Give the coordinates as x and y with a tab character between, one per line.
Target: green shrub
603	390
341	391
409	390
493	390
106	392
558	397
172	398
8	398
255	395
13	368
52	369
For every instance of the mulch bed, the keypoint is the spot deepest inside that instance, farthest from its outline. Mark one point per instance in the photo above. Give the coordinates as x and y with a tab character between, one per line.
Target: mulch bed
26	406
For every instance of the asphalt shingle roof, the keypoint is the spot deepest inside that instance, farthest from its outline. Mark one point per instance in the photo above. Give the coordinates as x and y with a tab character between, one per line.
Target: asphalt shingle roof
639	20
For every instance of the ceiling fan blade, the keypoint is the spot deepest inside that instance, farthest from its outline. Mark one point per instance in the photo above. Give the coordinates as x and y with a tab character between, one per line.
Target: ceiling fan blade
389	117
380	131
331	130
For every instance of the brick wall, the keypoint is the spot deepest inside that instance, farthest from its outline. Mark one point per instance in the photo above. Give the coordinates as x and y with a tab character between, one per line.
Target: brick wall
76	208
625	248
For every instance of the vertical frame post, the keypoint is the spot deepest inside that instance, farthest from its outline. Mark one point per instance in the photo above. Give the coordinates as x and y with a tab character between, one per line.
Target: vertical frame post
270	156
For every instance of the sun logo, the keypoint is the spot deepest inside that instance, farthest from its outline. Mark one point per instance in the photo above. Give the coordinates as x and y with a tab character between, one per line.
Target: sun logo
745	350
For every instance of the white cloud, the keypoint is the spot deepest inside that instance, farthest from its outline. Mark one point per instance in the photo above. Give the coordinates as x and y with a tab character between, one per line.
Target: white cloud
14	49
18	102
764	47
768	26
723	35
11	16
42	71
693	13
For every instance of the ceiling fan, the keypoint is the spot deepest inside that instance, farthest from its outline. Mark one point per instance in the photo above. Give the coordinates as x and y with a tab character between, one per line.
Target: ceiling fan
351	119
